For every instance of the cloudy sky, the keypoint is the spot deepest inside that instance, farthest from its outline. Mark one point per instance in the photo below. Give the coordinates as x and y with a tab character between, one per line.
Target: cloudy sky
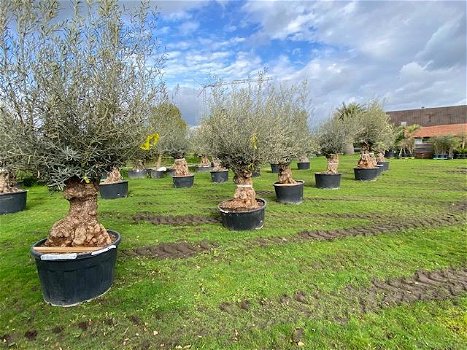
409	53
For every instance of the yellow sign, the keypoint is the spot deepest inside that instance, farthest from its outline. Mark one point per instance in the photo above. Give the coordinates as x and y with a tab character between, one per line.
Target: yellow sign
151	141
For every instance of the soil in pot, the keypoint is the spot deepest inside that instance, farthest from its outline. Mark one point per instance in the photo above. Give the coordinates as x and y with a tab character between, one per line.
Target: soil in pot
68	279
12	202
366	174
183	181
303	165
289	193
327	181
243	219
219	176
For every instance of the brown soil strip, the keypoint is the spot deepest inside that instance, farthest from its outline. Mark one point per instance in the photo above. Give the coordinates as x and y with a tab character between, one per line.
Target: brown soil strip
174	220
423	285
177	250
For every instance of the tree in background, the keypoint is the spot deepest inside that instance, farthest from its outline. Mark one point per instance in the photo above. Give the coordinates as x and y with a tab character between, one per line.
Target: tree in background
332	139
79	94
349	115
404	138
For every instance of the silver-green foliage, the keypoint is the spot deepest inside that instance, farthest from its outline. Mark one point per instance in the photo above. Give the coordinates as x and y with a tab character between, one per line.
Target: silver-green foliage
332	136
376	130
79	92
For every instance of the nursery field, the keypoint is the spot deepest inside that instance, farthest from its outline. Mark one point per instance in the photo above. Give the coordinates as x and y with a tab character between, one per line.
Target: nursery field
373	265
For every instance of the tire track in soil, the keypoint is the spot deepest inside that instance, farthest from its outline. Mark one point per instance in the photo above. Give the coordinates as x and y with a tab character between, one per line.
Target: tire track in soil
177	250
421	286
382	225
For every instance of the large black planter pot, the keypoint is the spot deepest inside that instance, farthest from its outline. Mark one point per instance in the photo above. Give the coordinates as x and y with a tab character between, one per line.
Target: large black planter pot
380	169
292	194
274	168
12	202
303	165
114	190
138	174
219	176
363	174
70	279
183	181
328	181
389	154
244	220
203	169
157	174
385	165
170	172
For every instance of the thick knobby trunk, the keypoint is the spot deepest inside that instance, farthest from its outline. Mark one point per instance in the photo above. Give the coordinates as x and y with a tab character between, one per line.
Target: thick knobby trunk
333	164
80	227
205	161
285	175
367	161
139	165
113	177
380	157
159	161
245	195
303	159
7	181
181	167
217	165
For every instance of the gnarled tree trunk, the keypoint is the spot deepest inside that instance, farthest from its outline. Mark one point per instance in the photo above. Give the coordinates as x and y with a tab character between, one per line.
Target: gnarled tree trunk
7	181
285	175
380	157
217	165
80	227
367	161
159	161
303	159
138	165
181	167
245	195
333	164
205	161
113	177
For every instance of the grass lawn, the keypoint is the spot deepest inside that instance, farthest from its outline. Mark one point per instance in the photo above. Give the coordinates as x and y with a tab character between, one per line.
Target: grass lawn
373	265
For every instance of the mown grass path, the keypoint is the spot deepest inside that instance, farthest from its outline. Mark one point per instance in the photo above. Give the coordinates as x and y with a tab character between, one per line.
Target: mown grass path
372	265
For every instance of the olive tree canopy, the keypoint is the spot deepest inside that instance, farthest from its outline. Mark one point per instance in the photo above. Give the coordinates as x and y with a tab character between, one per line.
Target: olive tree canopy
79	91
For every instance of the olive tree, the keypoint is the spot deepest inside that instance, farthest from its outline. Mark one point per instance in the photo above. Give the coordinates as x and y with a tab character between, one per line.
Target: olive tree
332	138
349	116
79	93
286	119
237	127
199	144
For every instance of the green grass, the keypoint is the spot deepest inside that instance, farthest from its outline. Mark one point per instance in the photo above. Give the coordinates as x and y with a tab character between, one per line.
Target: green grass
165	304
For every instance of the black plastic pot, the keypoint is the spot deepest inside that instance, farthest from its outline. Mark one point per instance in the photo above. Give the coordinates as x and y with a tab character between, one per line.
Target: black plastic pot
385	165
138	174
183	181
170	172
363	174
219	176
244	220
203	169
70	279
329	181
114	190
292	194
380	169
12	202
303	165
389	154
157	174
275	168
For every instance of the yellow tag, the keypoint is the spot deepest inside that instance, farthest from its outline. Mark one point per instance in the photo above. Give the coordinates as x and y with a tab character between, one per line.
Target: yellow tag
151	141
253	140
86	179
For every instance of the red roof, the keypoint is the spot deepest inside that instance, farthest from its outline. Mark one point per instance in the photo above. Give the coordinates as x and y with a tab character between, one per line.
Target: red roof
441	130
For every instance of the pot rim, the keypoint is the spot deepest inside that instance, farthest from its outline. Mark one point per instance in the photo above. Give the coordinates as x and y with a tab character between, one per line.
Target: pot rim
241	212
176	176
75	256
299	183
112	183
365	168
324	173
219	171
13	193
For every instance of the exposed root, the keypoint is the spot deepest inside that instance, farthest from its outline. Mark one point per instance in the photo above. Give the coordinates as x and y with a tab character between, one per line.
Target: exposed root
113	177
181	167
367	160
333	164
285	175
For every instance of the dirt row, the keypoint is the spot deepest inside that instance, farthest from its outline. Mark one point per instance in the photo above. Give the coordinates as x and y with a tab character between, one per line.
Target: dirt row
176	250
183	249
423	285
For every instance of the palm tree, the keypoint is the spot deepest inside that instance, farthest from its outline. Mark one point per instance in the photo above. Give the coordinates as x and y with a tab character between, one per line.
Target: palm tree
405	139
348	115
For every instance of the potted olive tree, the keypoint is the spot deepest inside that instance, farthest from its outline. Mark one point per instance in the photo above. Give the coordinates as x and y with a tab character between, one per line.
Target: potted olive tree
376	129
199	145
331	138
12	199
90	84
175	143
287	122
235	125
349	115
